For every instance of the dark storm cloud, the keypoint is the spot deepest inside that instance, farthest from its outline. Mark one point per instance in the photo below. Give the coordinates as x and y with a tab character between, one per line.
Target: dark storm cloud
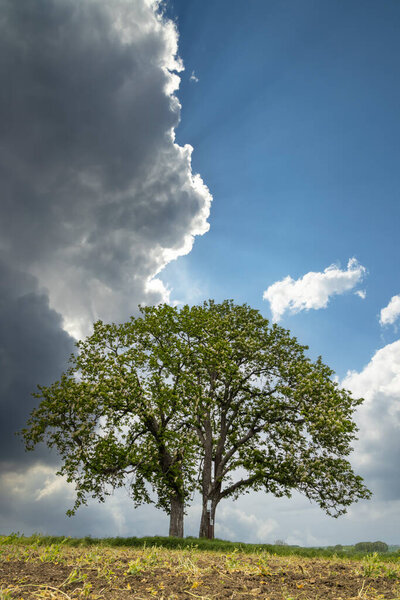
93	186
33	349
96	198
76	98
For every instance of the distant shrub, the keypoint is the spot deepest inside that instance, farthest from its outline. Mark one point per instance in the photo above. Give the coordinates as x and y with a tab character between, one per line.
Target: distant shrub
371	547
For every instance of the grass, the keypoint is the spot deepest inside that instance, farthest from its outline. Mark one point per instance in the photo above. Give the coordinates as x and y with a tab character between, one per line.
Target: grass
203	544
56	568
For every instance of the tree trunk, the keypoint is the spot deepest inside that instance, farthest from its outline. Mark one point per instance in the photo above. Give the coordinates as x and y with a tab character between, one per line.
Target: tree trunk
176	517
207	520
206	477
204	522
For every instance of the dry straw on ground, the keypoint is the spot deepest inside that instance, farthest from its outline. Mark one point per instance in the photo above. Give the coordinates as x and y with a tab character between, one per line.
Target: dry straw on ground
59	572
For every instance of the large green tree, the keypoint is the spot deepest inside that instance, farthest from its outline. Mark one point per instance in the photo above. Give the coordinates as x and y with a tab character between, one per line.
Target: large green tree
209	397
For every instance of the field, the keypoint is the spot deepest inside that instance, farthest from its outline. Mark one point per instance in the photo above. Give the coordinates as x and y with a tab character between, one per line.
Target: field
30	568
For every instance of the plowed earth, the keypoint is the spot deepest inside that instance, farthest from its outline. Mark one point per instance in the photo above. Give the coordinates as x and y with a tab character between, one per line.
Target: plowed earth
62	573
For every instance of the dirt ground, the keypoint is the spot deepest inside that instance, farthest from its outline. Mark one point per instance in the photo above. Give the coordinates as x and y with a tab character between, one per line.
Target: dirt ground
61	573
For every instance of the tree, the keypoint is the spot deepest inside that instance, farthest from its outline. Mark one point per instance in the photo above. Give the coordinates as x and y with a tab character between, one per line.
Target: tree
371	547
380	547
208	397
266	416
115	416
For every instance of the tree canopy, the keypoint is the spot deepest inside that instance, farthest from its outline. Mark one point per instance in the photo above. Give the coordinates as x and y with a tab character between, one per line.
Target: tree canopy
115	417
208	397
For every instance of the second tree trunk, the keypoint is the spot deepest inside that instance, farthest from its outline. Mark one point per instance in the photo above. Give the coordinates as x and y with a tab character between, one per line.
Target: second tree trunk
176	517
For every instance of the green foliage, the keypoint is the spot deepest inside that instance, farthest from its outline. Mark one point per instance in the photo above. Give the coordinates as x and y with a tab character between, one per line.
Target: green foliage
373	567
115	416
11	538
75	577
51	552
371	547
180	399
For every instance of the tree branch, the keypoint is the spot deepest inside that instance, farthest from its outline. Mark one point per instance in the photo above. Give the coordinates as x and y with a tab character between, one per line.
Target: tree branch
235	486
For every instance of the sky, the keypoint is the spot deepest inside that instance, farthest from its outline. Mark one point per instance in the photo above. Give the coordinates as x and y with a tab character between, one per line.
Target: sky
195	150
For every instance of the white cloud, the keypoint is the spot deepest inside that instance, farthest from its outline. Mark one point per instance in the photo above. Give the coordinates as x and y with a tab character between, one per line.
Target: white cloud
361	294
313	290
236	524
193	78
37	481
378	418
98	197
53	495
380	377
391	312
53	485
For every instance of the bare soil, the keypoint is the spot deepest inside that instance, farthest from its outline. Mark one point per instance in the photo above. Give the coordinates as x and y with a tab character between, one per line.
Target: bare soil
61	573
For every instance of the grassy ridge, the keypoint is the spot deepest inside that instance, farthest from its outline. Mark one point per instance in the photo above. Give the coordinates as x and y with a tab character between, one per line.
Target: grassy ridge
215	545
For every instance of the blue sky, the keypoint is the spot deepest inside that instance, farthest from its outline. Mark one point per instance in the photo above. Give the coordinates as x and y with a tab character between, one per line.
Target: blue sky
291	111
294	121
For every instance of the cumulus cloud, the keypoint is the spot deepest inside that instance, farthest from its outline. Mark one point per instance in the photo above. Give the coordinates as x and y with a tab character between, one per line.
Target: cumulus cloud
391	312
378	419
97	196
233	523
313	290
